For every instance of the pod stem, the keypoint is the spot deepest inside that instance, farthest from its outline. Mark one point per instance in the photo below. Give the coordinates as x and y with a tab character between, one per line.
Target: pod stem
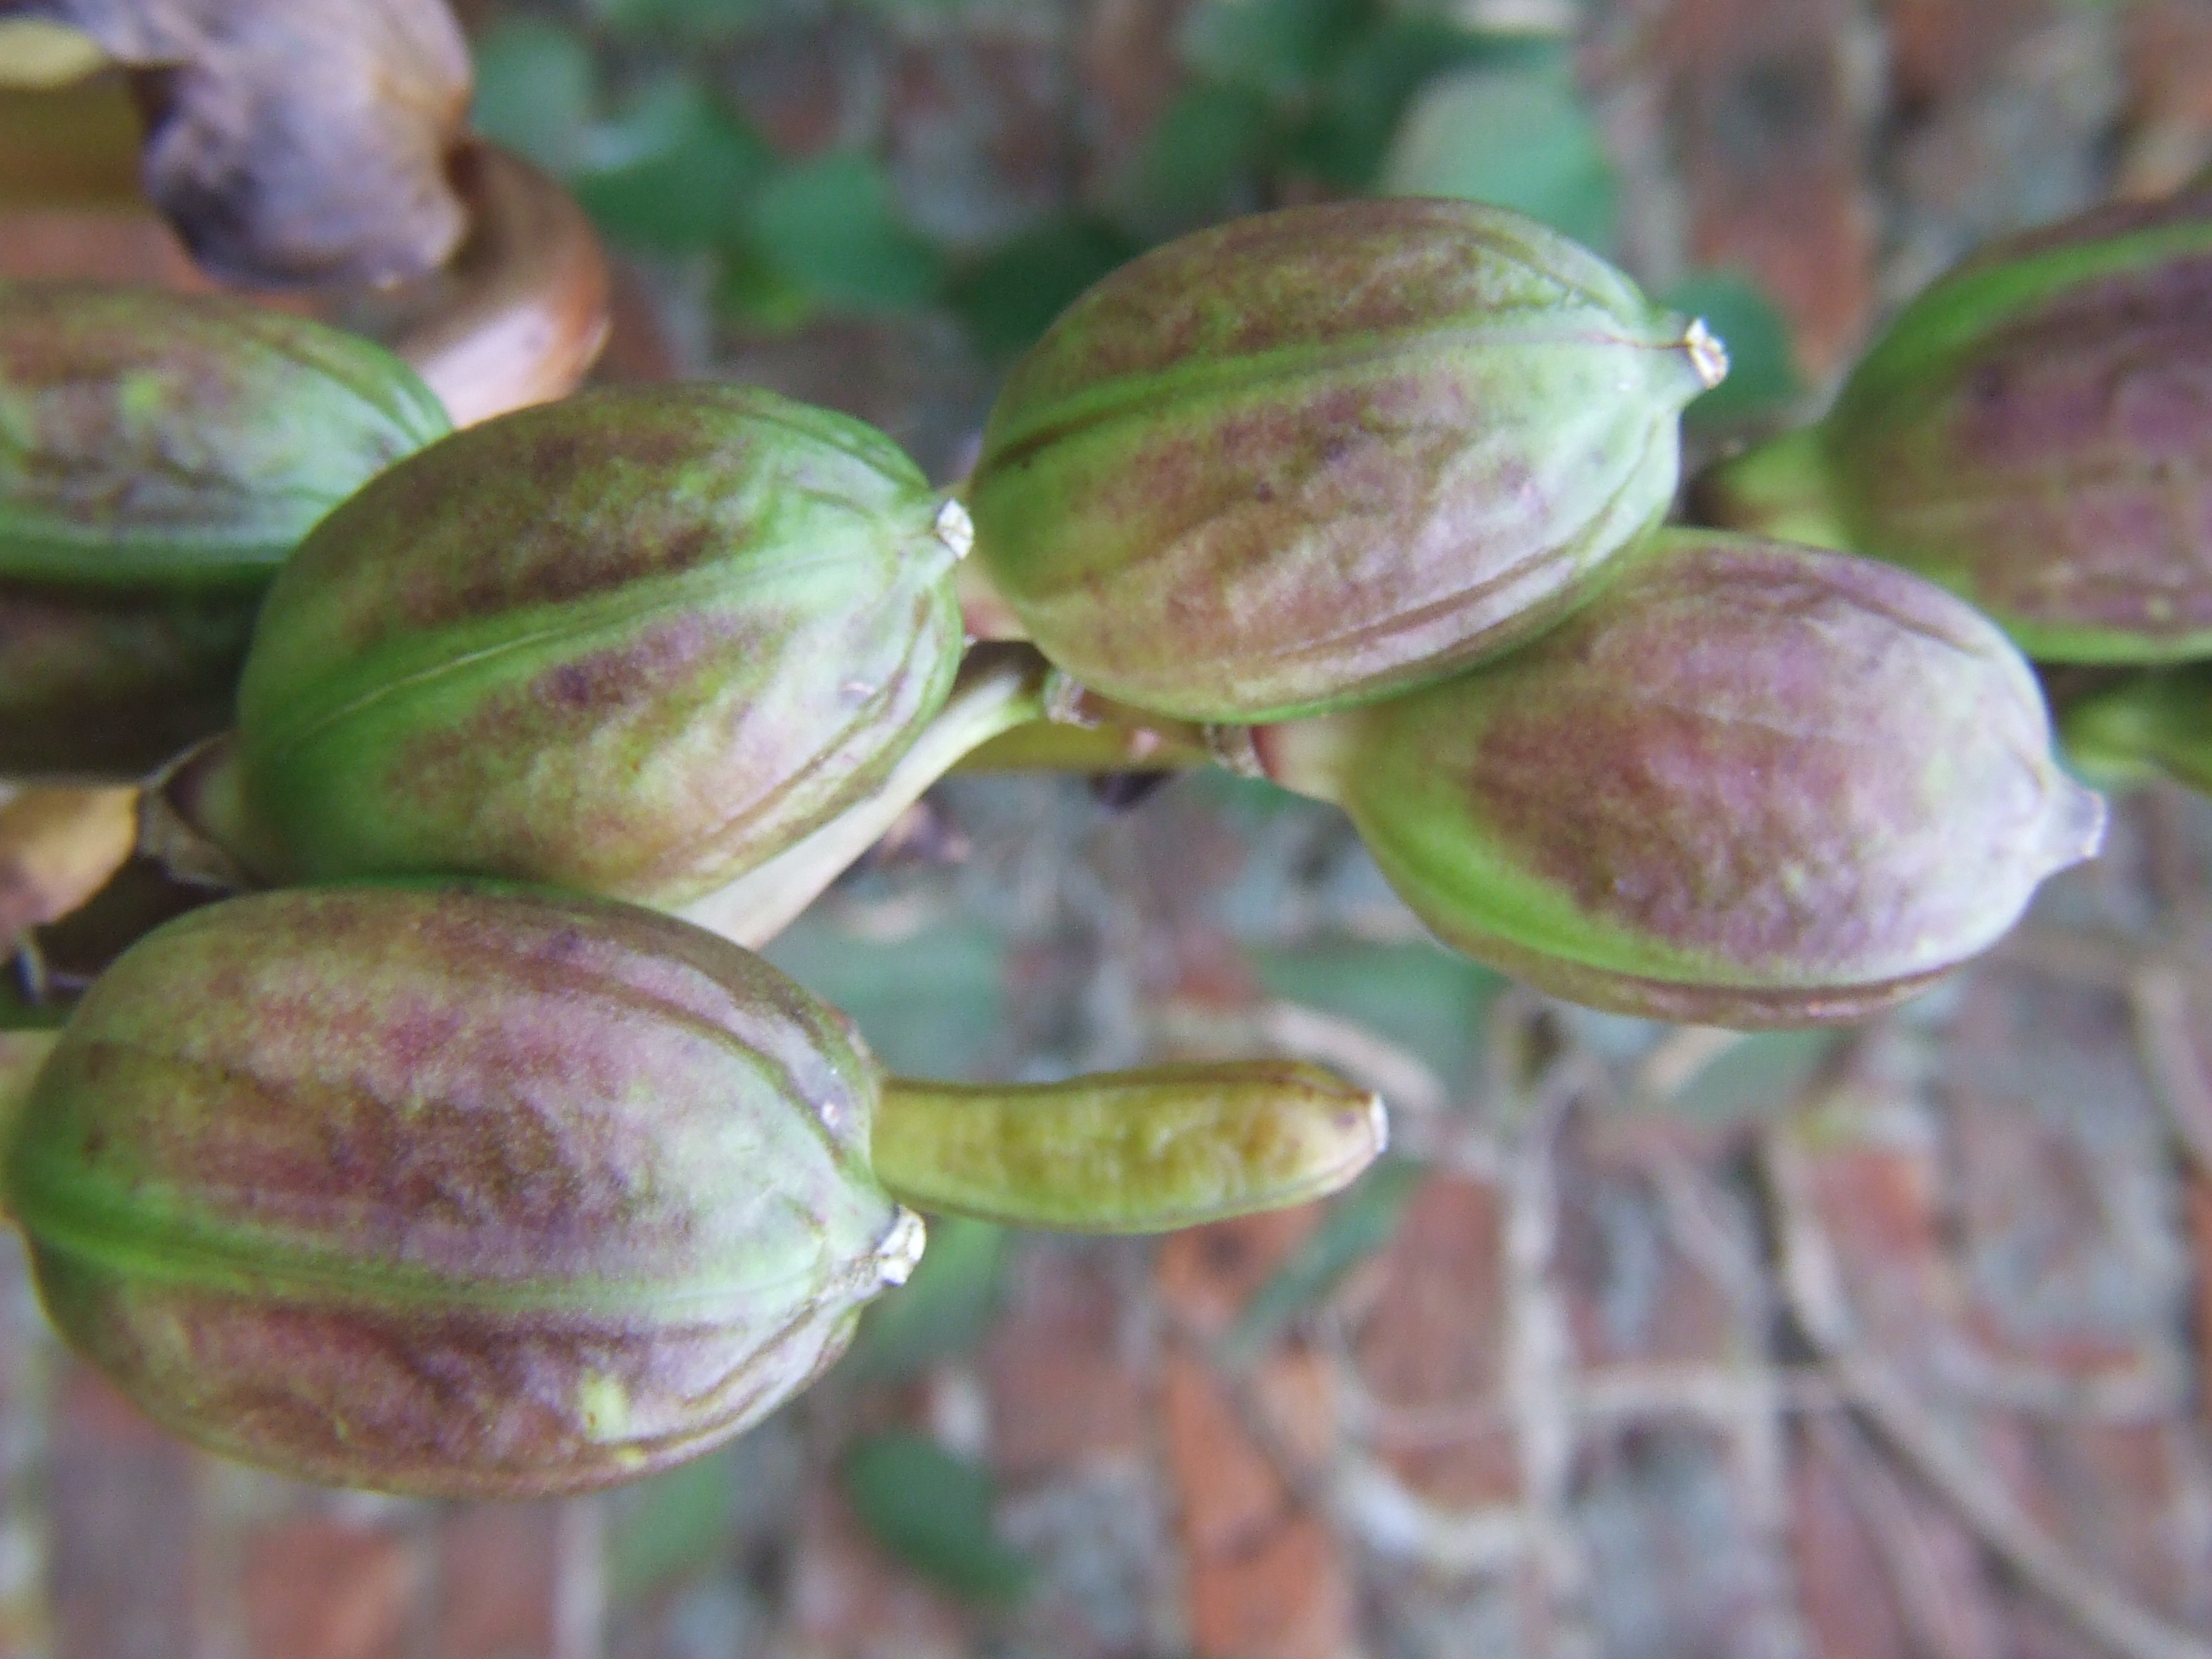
1778	489
1078	730
1311	756
193	820
1134	1152
998	688
983	610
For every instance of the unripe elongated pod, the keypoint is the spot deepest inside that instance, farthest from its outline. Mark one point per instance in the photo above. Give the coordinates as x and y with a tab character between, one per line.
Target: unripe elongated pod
1129	1151
632	643
476	1189
1751	784
1311	458
2034	432
159	456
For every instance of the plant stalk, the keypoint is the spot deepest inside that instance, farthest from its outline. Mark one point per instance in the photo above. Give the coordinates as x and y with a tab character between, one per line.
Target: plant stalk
998	690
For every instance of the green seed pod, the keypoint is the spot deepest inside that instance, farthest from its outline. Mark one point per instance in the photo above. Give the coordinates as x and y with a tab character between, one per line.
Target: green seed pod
1128	1152
2034	432
159	456
1751	784
1310	458
631	643
467	1192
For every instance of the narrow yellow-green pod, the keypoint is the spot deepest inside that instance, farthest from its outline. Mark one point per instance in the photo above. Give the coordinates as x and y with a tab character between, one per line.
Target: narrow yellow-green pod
1127	1152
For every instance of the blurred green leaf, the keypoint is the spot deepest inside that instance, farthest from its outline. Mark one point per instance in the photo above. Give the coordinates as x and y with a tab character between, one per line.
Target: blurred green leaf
673	171
751	294
829	226
19	1013
1277	48
931	1006
1365	93
1200	159
1428	1001
1762	366
669	1525
689	20
944	1309
1520	137
1757	1075
1360	1223
932	1510
537	90
1010	296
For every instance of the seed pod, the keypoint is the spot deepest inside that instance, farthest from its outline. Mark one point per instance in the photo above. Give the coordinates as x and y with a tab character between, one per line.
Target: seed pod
631	643
2034	432
1128	1152
159	456
1751	784
1312	457
462	1192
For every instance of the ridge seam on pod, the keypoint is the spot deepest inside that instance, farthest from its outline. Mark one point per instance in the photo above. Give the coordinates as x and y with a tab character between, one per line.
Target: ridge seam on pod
1128	396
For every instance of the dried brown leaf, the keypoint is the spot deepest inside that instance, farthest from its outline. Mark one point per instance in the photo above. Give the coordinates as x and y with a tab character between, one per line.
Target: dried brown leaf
294	143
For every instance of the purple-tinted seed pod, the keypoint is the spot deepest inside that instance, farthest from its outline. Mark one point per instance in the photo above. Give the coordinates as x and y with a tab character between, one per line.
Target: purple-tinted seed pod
1750	784
1311	458
2034	432
462	1191
160	455
632	643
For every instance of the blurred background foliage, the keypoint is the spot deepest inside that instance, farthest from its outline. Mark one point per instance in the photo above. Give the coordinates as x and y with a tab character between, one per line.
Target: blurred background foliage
1281	101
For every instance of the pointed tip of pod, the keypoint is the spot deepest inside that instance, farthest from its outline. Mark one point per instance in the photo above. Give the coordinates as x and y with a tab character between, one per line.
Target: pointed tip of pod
1378	1127
1708	353
2074	830
953	527
1347	1130
899	1251
1361	1135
